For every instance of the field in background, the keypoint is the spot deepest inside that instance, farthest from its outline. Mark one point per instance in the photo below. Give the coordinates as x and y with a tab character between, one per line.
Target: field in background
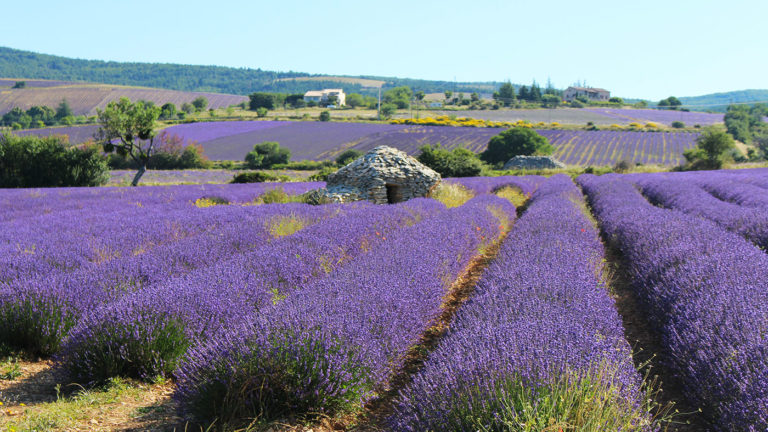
85	98
309	140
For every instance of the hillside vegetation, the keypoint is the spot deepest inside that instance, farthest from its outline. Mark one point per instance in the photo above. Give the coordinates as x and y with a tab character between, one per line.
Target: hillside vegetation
218	79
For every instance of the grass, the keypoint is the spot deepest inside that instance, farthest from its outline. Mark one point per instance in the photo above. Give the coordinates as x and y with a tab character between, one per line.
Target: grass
102	409
452	195
281	226
514	195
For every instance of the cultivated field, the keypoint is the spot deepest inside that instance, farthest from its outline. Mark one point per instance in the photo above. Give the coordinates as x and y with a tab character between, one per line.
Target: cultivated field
232	140
405	317
85	98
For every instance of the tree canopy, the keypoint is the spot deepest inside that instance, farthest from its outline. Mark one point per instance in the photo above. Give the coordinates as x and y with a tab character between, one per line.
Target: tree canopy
711	149
129	129
459	162
266	154
517	141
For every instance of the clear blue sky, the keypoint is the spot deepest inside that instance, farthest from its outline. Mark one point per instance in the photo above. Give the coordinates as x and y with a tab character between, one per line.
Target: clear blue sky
647	49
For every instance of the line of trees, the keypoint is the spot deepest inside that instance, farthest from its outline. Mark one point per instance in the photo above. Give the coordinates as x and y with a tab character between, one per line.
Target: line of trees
40	116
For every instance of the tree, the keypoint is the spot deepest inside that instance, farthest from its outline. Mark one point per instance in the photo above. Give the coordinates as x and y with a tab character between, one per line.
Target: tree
506	94
19	85
550	100
200	103
348	156
261	112
474	97
187	108
524	94
711	149
448	95
129	129
261	100
168	111
297	100
332	100
616	100
457	163
388	110
63	110
420	95
32	161
325	116
355	100
266	154
517	141
399	96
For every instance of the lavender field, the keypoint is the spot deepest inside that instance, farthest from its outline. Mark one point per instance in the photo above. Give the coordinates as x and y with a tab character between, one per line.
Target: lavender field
298	313
322	141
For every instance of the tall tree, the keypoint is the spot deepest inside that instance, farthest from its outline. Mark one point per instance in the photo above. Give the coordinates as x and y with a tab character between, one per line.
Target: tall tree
63	110
506	93
129	129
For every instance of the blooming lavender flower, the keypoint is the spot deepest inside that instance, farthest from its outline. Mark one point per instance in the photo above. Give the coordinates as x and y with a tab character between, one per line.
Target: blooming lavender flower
540	312
704	291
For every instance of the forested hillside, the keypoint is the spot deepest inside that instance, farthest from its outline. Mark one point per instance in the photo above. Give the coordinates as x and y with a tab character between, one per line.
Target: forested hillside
25	64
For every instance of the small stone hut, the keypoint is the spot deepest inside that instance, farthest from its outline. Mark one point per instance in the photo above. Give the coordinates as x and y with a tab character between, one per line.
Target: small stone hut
533	162
383	175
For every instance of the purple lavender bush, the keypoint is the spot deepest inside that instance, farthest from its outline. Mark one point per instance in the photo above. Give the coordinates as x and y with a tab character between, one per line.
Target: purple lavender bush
144	334
704	292
324	351
540	345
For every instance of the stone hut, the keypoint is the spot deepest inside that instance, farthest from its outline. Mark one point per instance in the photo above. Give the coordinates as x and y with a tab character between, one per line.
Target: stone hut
383	175
533	162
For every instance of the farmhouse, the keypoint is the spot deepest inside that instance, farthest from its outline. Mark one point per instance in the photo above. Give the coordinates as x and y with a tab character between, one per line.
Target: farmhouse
593	94
384	175
323	96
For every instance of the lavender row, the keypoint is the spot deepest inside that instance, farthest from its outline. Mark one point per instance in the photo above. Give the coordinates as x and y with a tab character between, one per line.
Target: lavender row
484	185
148	331
46	204
689	198
704	292
326	350
539	313
36	312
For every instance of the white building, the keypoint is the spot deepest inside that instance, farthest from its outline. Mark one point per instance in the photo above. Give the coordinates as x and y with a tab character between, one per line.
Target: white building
322	96
593	94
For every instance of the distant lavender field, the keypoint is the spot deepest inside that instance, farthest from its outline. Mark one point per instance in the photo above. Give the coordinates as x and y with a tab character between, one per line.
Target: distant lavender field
7	82
322	141
625	116
76	134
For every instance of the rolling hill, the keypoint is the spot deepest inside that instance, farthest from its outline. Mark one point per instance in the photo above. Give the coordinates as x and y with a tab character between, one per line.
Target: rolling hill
217	79
85	98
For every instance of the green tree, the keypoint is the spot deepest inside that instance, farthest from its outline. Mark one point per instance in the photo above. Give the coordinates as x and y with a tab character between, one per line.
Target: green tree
63	110
506	94
448	95
261	112
32	161
616	100
296	100
187	108
168	111
200	103
420	95
261	100
711	149
459	162
348	156
524	94
266	154
129	129
325	116
550	100
19	85
517	141
355	100
399	96
388	110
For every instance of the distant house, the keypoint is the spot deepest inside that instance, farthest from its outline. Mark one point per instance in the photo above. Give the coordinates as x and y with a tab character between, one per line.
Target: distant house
323	96
593	94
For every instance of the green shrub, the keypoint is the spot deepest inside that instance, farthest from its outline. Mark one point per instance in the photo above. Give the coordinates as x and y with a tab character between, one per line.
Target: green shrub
261	112
348	156
323	174
325	116
267	154
33	161
517	141
459	162
678	124
254	177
